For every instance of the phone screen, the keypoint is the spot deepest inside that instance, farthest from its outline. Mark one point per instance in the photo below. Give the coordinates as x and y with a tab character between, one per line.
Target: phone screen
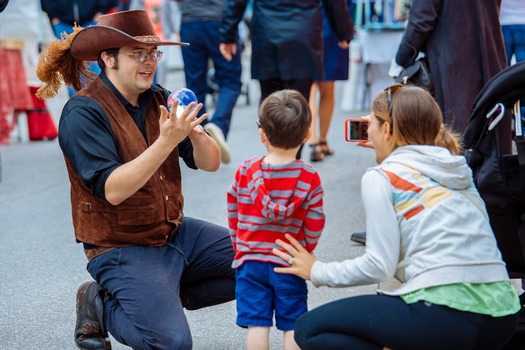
356	130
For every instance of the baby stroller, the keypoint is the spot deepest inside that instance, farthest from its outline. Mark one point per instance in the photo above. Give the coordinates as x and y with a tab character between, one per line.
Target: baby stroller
495	150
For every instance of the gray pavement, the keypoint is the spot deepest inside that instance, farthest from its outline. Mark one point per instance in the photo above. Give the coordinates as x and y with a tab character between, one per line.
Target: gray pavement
41	266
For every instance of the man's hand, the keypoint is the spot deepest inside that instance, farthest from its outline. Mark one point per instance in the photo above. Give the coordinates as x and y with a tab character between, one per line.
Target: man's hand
97	16
228	50
343	44
174	129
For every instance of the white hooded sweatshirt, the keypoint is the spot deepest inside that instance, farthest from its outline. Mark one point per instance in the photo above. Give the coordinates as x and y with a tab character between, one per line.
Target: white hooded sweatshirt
426	226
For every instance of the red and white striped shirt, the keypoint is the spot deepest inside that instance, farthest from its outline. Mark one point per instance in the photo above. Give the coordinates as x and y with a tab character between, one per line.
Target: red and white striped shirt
266	201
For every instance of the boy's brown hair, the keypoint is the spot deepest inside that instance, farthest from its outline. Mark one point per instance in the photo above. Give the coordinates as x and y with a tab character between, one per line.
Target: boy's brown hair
285	118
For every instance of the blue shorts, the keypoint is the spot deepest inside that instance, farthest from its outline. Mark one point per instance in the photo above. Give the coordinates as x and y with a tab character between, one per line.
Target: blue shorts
260	291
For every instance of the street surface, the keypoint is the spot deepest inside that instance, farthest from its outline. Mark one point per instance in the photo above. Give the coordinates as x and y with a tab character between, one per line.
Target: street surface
41	266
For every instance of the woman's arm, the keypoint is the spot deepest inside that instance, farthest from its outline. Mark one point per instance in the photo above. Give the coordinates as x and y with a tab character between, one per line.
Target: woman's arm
382	246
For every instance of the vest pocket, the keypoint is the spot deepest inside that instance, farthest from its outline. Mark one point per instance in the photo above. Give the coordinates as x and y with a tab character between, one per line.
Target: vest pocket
136	217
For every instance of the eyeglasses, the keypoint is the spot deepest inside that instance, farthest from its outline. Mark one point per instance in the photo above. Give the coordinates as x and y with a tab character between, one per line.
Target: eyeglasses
390	91
140	56
258	122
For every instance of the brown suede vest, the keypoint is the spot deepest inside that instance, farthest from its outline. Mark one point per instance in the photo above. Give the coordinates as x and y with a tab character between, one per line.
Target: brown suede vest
149	215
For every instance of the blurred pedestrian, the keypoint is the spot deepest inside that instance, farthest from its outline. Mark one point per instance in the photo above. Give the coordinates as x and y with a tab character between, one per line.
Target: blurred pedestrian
64	14
287	43
512	19
336	64
200	23
270	196
463	51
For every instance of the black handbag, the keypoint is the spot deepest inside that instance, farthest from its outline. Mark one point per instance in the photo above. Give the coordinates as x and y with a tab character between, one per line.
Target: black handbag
417	74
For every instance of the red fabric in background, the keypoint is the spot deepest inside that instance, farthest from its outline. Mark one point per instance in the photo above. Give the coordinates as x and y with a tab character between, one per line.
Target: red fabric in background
14	93
39	121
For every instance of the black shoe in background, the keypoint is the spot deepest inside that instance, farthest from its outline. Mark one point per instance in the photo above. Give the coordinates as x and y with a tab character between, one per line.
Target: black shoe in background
359	237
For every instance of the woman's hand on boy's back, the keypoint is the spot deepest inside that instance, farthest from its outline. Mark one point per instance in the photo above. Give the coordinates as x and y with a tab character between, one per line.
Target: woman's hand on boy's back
300	260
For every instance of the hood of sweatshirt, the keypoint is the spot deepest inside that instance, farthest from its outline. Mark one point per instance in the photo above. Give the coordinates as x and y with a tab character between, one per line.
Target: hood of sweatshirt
279	190
435	162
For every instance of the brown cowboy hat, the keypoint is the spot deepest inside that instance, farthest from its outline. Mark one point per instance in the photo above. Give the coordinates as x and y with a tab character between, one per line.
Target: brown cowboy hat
126	28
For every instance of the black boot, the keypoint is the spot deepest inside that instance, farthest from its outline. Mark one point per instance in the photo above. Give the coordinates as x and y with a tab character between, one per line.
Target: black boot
90	333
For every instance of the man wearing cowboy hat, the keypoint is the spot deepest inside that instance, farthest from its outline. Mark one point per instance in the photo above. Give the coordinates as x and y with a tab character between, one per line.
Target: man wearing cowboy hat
122	147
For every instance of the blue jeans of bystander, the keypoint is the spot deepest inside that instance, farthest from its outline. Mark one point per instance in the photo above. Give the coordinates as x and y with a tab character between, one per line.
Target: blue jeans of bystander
205	39
514	37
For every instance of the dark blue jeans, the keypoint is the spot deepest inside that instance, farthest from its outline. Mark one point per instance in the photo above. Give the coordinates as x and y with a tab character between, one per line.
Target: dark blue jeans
144	309
370	322
514	36
204	39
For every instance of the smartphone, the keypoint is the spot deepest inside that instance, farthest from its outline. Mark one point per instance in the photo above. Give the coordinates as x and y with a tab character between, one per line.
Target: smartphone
356	130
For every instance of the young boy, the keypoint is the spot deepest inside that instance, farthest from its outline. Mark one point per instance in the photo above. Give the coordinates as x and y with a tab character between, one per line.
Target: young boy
271	196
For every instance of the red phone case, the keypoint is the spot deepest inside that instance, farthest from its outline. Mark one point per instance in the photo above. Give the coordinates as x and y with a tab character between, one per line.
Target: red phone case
356	130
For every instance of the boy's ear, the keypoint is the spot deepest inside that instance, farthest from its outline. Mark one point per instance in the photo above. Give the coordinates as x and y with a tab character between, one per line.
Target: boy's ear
263	136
